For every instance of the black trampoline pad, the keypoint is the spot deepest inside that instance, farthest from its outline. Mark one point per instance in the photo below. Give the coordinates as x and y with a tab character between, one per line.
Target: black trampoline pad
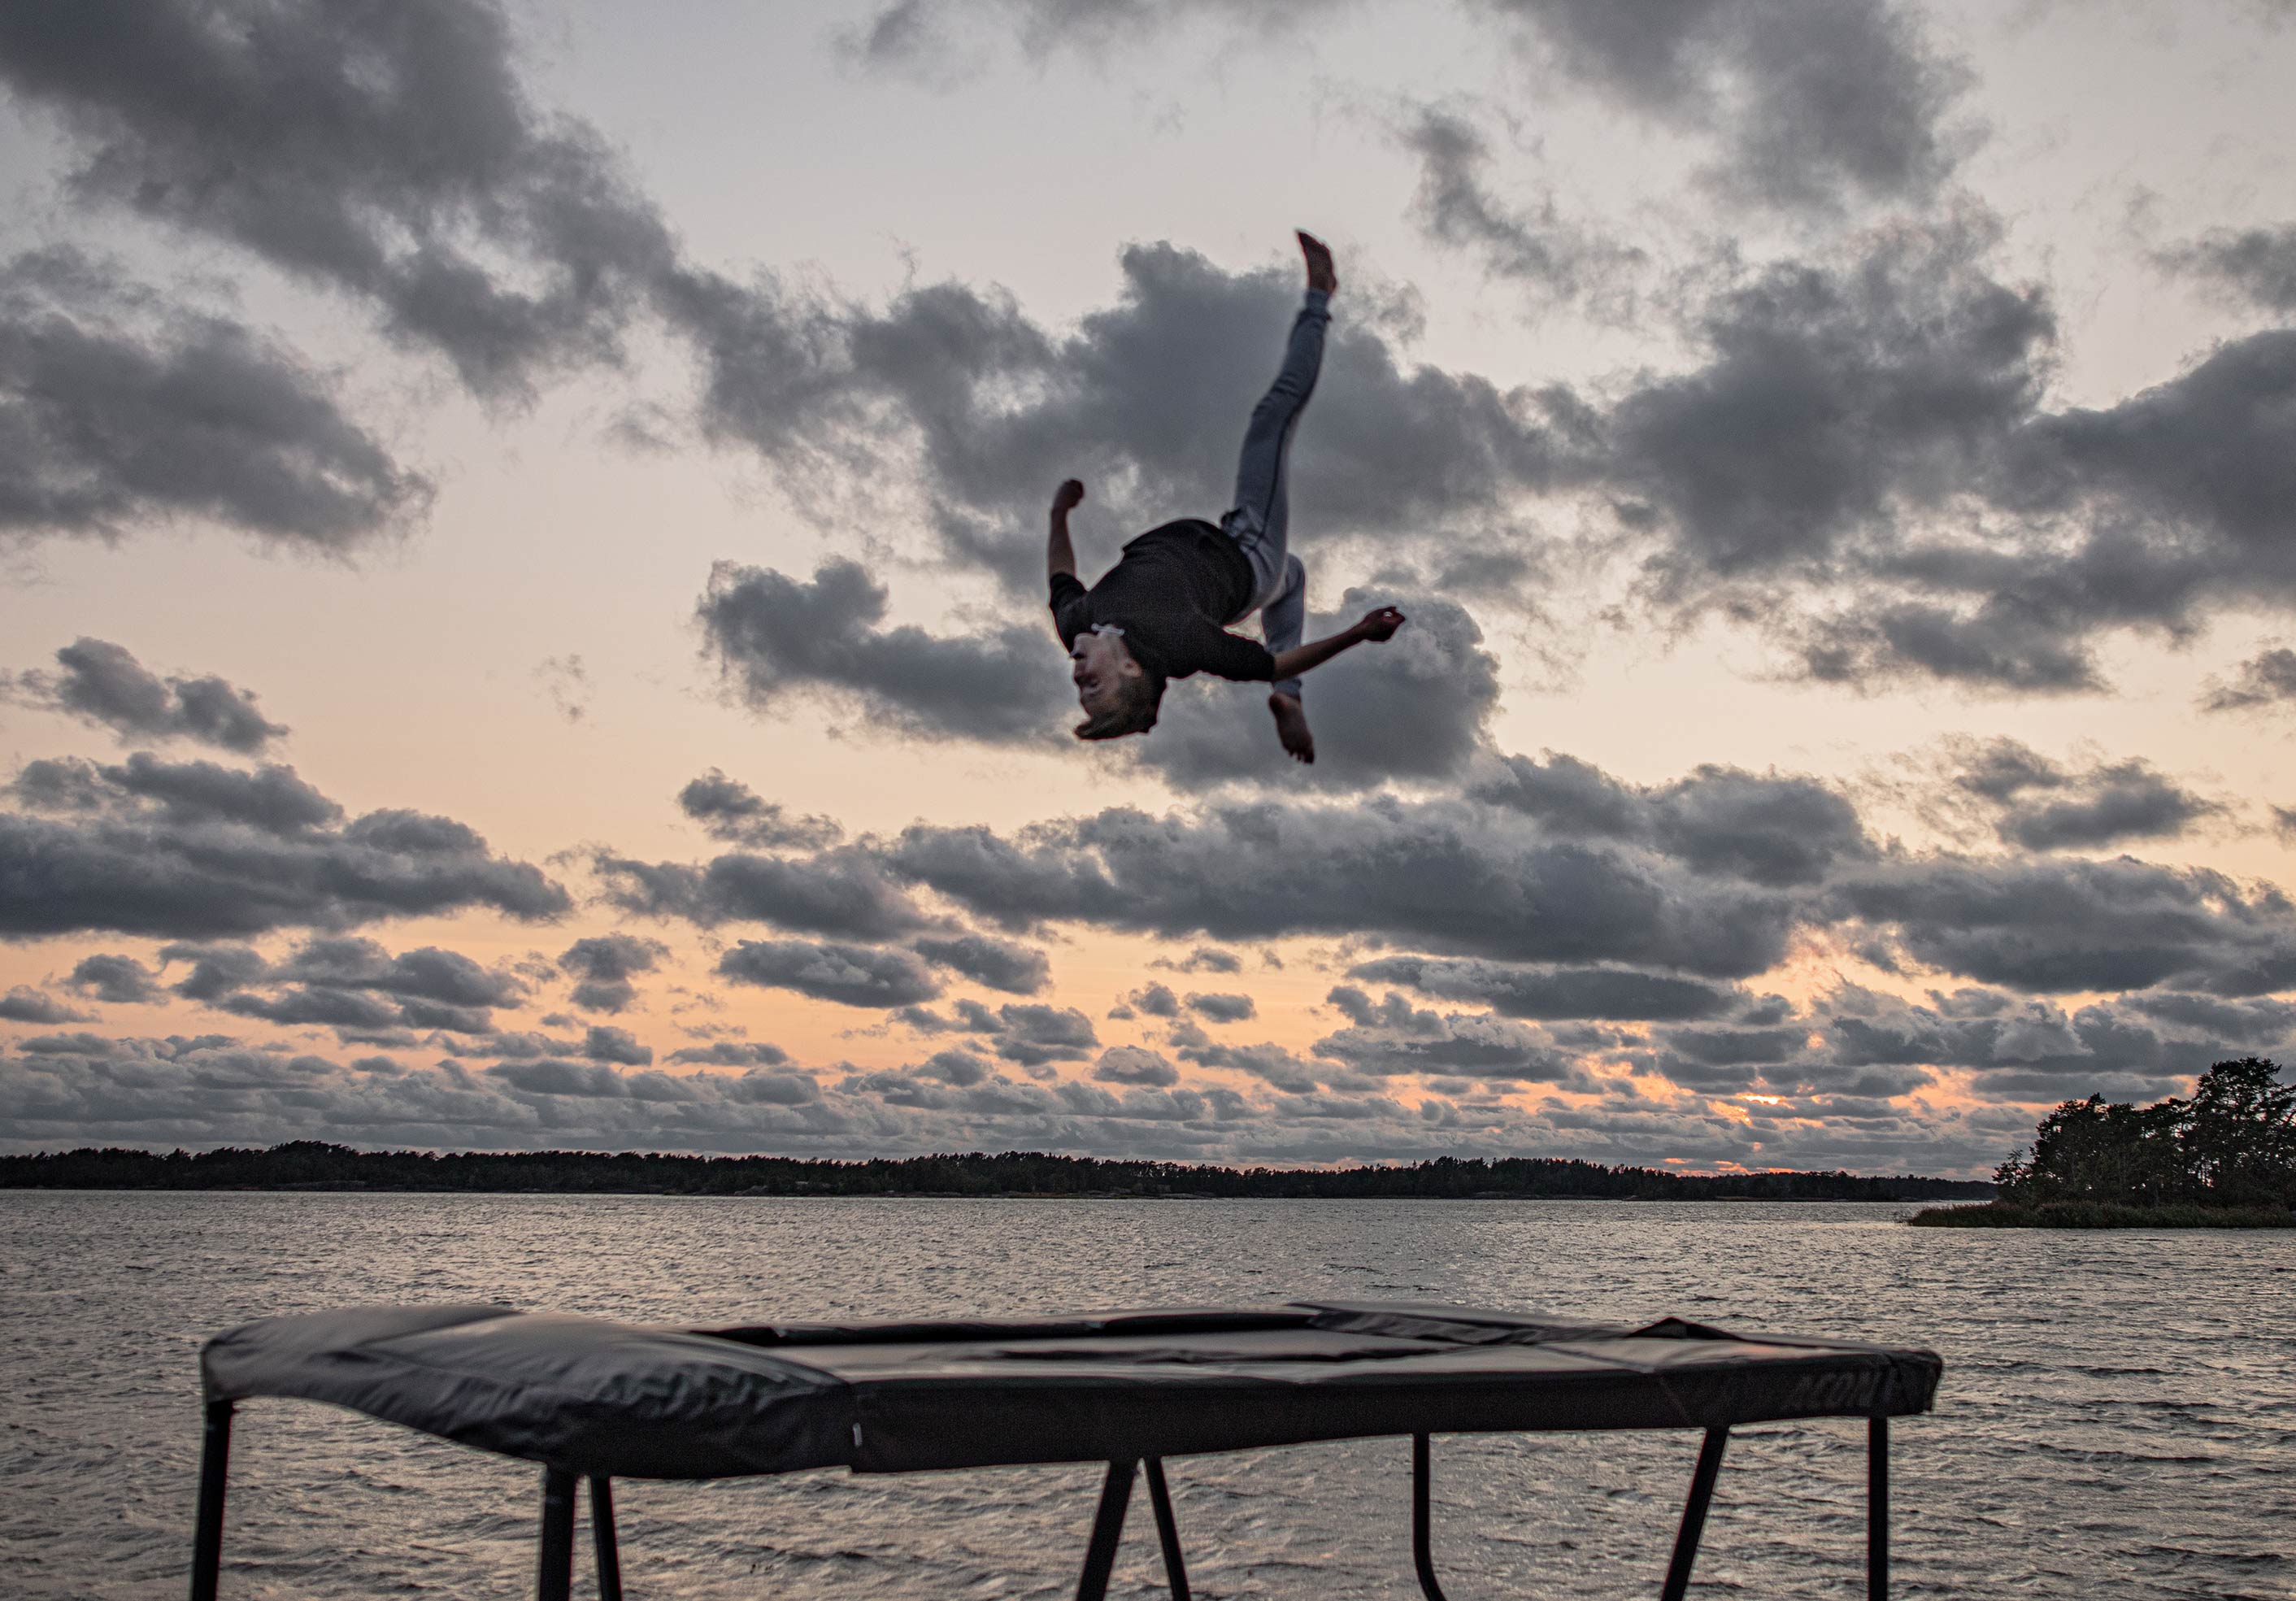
613	1400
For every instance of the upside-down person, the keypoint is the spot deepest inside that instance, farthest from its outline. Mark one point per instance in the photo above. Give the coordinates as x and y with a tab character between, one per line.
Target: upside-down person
1163	612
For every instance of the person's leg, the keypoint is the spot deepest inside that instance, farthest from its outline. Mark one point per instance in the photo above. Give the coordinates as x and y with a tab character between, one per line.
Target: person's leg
1284	620
1259	521
1284	617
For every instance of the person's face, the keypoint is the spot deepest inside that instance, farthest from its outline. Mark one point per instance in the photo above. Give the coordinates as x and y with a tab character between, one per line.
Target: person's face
1099	664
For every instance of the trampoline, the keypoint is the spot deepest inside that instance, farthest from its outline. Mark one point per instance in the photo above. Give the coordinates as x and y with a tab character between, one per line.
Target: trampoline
588	1398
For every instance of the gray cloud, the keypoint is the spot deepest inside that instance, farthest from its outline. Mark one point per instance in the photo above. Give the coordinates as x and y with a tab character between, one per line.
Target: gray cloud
116	979
1414	710
775	637
119	413
605	1043
2077	926
2267	678
1836	397
1444	876
352	985
995	964
731	1053
1223	1008
1393	1037
103	683
1157	1001
729	809
1814	101
843	892
1720	821
1146	399
2042	805
603	966
386	152
1203	958
192	850
1545	993
1557	262
852	975
24	1004
2257	264
1034	1035
1131	1065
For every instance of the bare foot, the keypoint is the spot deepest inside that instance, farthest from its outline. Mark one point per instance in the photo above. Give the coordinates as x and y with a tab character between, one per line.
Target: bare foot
1291	726
1320	272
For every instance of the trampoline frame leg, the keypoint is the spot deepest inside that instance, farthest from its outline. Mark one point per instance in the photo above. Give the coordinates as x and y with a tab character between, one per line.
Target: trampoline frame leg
602	1536
1423	1555
1107	1530
1877	1509
207	1526
1167	1531
554	1565
1693	1515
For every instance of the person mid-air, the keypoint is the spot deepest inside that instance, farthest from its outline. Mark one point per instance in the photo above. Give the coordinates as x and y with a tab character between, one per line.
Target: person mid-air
1163	611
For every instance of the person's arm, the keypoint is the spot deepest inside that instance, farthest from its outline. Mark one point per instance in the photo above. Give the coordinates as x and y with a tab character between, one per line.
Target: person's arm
1060	554
1377	625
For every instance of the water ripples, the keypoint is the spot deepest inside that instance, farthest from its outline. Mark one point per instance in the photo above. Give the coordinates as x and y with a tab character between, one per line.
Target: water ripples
2118	1417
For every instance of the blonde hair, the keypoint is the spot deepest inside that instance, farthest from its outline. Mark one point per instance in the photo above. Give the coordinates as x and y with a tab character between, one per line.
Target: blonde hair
1135	711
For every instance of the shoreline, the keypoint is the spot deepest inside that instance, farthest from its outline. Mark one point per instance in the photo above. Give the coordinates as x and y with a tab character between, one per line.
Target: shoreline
2102	1214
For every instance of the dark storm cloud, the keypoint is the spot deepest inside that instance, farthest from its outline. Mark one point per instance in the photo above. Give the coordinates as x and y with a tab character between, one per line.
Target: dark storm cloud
1545	993
103	683
1414	709
992	963
2267	678
384	152
2041	805
192	850
118	411
776	638
729	809
2258	264
844	892
602	966
116	981
852	975
1556	261
24	1004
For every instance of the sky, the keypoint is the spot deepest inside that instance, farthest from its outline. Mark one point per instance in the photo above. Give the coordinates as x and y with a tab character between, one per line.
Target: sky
524	614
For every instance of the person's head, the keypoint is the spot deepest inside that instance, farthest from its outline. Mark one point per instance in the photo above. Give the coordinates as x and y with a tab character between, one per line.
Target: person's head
1118	696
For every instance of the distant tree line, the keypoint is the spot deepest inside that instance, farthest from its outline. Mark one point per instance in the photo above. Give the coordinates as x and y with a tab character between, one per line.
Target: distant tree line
2233	1144
310	1164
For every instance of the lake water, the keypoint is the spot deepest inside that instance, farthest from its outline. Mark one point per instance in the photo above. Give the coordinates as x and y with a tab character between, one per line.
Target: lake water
2118	1416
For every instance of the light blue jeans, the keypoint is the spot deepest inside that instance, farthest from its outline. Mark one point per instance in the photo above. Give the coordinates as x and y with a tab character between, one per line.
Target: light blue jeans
1259	523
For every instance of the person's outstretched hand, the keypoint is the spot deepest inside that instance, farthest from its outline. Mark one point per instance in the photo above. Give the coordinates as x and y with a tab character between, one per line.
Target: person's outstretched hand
1069	496
1381	624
